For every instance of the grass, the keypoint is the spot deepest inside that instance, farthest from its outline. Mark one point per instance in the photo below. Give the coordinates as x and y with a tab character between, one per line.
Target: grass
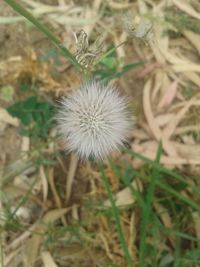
147	210
1	251
115	213
152	231
150	226
181	21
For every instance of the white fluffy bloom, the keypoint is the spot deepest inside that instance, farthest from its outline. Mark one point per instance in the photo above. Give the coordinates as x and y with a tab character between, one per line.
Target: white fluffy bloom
94	120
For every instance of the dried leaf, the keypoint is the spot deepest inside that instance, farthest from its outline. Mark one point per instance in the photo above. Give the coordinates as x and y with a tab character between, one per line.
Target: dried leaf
152	121
164	215
31	247
164	119
193	77
7	118
169	95
193	38
186	8
170	128
185	67
48	259
44	183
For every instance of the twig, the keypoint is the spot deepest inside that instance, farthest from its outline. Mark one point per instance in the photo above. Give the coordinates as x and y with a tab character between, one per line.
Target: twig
70	176
55	194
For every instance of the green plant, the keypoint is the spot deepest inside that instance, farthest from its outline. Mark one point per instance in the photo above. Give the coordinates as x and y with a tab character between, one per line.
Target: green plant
36	117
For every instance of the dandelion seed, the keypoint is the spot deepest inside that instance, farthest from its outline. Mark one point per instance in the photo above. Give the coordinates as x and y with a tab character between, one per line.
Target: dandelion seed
94	120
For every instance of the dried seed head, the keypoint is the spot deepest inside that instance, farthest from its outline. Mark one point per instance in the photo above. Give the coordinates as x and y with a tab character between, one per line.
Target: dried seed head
87	53
94	120
138	26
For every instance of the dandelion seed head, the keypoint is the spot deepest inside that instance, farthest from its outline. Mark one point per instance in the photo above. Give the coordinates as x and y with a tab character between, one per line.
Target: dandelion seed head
138	26
94	120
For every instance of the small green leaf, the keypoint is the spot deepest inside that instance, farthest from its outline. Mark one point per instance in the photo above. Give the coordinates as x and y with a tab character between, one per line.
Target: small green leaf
6	93
36	117
23	86
110	62
30	103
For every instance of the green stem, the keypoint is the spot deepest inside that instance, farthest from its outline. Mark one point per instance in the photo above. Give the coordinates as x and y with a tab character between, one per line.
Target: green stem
1	250
161	169
147	210
117	220
108	53
18	8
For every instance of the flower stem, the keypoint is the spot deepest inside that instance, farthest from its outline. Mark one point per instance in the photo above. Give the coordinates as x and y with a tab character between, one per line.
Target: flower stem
116	215
110	51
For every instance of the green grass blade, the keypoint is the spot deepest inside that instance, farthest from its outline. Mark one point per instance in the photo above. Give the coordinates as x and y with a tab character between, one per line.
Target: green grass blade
161	169
136	194
110	51
174	232
147	210
115	212
1	250
173	192
127	68
177	252
22	11
186	200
